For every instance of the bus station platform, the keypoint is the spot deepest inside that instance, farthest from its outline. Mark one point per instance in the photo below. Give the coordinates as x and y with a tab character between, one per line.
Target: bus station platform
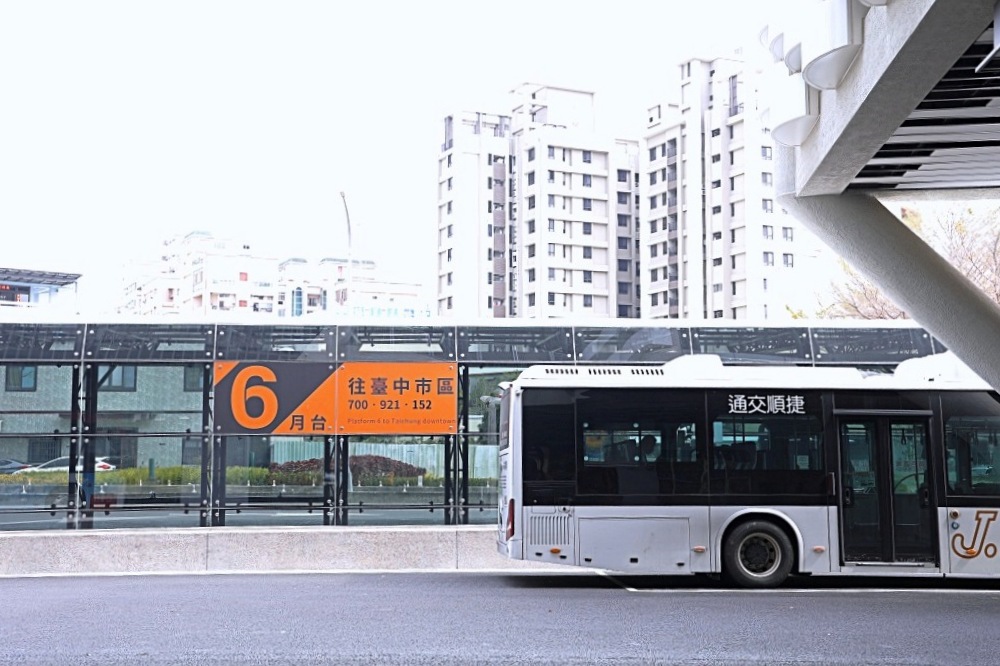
221	550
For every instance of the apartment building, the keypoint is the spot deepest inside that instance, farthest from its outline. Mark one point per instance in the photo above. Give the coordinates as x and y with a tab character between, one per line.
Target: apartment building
200	274
714	244
536	212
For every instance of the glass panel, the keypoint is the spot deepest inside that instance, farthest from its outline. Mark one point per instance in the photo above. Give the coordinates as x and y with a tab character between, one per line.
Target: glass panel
391	343
910	492
397	480
275	343
30	498
46	409
630	345
144	481
41	342
146	399
275	480
869	345
862	520
516	344
142	342
753	345
972	434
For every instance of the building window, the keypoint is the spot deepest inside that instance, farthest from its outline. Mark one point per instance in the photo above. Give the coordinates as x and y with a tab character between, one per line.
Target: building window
622	176
652	202
716	132
716	183
769	258
588	301
588	204
588	180
116	377
716	210
552	224
765	152
717	314
531	275
449	183
788	260
531	178
716	158
786	233
717	261
768	231
654	299
448	208
766	178
194	378
717	287
767	205
552	298
531	300
552	274
531	227
624	265
588	276
623	288
623	198
588	252
531	250
552	201
531	154
588	228
552	152
587	156
623	220
623	243
21	378
716	235
552	249
552	176
531	201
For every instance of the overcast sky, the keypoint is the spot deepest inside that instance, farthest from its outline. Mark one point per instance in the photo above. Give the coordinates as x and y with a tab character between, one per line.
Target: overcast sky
123	123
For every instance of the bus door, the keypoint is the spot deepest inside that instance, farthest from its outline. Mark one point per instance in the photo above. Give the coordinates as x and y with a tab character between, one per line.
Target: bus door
886	503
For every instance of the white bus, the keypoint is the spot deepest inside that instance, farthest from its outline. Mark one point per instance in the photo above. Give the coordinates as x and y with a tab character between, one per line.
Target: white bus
752	472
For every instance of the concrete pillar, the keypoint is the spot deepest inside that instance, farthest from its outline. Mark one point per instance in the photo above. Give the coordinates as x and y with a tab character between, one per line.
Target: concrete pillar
918	279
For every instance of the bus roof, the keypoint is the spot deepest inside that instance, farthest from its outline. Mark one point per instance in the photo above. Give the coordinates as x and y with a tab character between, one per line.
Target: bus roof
941	371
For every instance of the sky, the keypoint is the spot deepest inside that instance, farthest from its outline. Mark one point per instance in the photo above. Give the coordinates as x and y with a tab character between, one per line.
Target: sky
125	123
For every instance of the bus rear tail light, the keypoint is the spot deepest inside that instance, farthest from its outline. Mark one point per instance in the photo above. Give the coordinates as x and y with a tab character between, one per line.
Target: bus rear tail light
510	519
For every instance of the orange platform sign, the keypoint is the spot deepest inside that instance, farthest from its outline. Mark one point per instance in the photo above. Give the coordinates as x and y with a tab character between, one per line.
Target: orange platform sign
397	398
318	399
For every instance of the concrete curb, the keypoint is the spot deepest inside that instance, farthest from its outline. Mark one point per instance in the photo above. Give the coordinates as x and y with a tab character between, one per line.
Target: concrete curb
249	549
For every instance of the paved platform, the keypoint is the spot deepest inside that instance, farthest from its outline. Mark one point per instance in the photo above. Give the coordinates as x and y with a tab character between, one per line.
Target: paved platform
249	549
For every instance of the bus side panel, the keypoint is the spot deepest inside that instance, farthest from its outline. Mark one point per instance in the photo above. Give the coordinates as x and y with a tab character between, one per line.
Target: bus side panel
644	540
970	547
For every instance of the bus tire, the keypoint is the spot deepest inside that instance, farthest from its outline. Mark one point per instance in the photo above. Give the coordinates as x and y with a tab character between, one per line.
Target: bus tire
757	554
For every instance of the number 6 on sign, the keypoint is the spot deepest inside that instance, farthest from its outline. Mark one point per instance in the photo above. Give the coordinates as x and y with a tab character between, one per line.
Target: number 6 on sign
242	394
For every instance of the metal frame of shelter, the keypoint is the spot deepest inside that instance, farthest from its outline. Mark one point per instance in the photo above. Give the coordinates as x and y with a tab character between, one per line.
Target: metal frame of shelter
92	350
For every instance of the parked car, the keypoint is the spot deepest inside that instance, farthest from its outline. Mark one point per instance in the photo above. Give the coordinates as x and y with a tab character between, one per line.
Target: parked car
62	465
9	466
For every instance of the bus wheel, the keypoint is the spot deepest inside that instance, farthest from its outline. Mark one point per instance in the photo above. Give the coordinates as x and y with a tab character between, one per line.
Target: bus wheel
757	554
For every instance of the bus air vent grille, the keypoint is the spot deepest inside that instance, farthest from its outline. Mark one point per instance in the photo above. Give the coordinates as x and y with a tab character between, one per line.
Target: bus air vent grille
647	371
549	530
604	371
561	371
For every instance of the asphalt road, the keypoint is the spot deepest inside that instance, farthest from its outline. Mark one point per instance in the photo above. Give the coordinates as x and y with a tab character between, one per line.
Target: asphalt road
492	619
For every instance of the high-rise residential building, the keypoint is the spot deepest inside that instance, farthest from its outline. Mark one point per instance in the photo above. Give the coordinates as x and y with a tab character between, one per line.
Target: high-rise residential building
536	212
714	243
540	215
